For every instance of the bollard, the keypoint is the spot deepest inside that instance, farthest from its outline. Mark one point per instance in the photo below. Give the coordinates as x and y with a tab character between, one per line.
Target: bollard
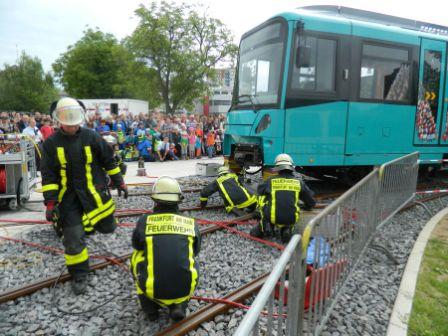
141	171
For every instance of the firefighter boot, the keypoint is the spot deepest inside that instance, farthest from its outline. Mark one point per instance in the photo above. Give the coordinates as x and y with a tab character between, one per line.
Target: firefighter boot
152	312
177	311
150	308
79	284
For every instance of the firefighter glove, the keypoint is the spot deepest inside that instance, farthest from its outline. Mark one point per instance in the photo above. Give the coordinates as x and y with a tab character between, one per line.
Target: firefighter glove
123	188
52	212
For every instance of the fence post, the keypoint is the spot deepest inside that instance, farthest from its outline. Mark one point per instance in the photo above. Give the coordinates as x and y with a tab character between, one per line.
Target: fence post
295	294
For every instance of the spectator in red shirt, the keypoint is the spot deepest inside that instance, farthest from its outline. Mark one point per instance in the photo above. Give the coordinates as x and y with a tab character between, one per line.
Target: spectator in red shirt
46	129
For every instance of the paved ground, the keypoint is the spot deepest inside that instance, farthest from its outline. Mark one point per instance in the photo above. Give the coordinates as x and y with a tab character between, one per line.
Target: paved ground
153	170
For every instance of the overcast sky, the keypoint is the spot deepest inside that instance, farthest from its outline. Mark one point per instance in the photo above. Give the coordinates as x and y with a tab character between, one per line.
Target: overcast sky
45	28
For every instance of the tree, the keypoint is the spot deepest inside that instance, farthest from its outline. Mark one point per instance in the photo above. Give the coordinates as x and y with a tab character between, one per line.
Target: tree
25	86
183	47
98	66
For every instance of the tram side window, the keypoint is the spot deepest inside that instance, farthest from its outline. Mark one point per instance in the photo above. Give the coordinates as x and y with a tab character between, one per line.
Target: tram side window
318	73
385	73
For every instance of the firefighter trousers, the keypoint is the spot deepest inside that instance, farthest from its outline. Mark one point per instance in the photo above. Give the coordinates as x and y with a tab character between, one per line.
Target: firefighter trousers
74	236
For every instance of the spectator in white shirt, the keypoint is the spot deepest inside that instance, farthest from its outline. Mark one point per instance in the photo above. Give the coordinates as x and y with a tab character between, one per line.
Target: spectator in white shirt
32	131
163	150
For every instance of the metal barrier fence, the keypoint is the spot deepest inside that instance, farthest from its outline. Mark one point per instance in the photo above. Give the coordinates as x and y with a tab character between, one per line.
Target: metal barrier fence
335	239
288	308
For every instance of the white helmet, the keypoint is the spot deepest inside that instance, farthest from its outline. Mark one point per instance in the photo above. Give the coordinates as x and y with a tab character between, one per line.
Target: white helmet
68	111
110	139
166	189
223	170
284	161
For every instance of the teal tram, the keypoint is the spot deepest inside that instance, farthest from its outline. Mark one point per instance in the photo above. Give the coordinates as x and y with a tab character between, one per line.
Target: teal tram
339	89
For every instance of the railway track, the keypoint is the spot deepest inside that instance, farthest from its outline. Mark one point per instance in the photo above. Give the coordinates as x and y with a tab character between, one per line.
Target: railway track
16	293
198	317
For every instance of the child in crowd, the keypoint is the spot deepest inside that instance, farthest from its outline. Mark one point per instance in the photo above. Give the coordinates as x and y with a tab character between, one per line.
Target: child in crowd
218	144
210	142
184	142
198	147
191	143
172	152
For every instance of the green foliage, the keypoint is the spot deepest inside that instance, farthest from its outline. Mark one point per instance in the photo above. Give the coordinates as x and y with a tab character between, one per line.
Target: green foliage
25	86
182	47
98	66
430	307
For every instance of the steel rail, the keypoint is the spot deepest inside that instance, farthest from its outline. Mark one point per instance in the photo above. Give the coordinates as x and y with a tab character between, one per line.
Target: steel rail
204	314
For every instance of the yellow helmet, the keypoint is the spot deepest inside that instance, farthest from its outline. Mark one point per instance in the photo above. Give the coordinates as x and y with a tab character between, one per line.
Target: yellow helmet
166	189
68	111
284	161
223	170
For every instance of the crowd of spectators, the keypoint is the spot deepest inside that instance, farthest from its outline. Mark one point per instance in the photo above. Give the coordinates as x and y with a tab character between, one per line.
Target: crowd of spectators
154	136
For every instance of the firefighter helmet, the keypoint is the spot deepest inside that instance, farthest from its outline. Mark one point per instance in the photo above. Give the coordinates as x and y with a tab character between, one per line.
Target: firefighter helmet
166	190
110	139
68	111
223	170
284	161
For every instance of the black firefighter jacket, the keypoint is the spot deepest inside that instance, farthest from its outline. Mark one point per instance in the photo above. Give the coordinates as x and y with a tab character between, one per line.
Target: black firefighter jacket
77	165
231	190
279	199
163	265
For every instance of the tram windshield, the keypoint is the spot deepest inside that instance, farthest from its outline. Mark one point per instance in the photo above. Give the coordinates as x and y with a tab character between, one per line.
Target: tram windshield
260	66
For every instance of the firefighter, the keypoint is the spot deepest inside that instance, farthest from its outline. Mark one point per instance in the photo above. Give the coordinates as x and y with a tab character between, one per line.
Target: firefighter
278	199
112	141
231	189
165	244
75	161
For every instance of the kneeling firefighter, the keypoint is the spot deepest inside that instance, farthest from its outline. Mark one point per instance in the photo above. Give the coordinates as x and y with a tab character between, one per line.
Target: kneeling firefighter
231	190
165	244
279	200
75	161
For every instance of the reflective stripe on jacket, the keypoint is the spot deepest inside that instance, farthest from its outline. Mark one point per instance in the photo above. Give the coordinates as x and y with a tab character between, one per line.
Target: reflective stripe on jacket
231	190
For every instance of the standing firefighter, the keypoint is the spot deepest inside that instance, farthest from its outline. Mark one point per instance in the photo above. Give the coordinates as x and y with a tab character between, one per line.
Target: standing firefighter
165	244
75	161
279	200
231	189
113	143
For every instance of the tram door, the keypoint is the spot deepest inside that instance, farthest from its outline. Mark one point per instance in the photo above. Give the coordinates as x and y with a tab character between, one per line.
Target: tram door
431	126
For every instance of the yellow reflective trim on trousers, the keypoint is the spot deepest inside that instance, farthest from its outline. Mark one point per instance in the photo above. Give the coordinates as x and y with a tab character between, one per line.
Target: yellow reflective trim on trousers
98	214
49	187
103	215
150	260
92	214
62	161
71	259
114	171
90	186
203	198
194	273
